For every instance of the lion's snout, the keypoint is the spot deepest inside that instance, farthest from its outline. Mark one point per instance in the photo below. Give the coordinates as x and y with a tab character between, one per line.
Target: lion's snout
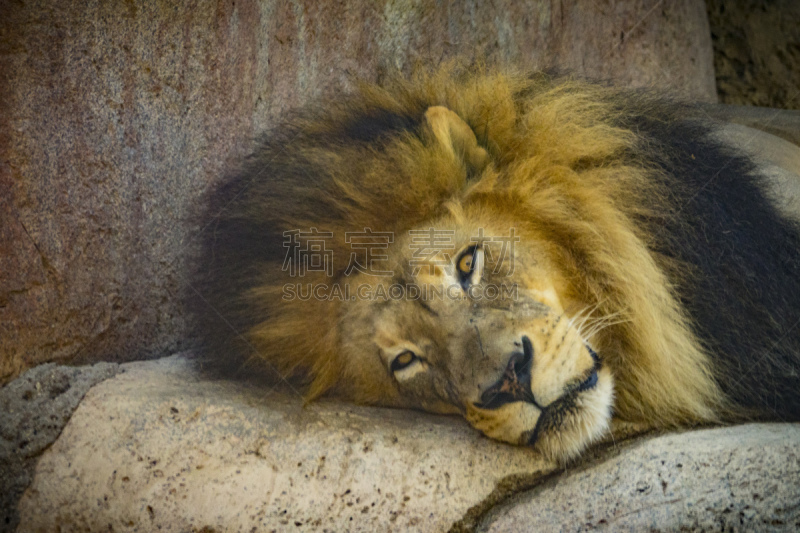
515	383
557	401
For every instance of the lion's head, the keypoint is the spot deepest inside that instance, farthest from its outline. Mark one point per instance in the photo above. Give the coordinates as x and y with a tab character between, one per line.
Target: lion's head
470	316
461	245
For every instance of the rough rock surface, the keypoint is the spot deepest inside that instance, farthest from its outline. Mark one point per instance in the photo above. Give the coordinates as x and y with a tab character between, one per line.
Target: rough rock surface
743	478
116	116
779	122
33	410
163	447
757	51
160	447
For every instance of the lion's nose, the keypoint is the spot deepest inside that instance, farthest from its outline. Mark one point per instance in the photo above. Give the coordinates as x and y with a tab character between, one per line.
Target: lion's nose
515	384
520	363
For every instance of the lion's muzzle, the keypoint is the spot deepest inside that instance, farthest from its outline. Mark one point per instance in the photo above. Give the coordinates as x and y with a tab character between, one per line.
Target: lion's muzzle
515	383
557	399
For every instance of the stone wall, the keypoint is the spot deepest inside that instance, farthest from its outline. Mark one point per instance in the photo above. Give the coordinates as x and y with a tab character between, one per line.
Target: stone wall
116	116
757	51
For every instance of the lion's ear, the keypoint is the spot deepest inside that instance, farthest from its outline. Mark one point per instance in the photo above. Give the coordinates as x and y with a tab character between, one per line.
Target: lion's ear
456	137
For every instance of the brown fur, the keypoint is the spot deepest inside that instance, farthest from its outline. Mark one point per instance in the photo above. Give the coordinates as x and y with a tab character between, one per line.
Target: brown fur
551	159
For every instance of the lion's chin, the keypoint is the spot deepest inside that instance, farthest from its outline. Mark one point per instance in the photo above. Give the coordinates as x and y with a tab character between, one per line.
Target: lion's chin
561	431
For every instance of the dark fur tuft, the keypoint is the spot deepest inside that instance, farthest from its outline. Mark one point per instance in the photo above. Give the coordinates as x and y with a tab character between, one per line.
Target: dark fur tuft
741	286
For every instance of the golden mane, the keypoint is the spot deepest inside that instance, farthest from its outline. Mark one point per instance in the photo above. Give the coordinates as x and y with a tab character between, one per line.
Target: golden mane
569	163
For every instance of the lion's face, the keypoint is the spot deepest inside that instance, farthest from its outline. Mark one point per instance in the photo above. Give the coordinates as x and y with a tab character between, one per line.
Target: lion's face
478	327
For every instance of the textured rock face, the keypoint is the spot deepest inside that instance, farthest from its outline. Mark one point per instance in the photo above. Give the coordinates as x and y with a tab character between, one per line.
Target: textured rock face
33	410
757	51
733	479
779	122
116	116
160	447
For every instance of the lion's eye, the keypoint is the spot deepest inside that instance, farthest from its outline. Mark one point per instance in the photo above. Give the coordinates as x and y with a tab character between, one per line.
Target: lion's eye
470	266
403	360
465	264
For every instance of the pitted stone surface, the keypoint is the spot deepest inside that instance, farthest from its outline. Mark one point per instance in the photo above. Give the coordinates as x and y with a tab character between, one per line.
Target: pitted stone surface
164	447
744	478
160	447
34	409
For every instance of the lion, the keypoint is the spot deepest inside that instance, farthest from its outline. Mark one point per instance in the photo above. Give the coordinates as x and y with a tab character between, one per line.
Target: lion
537	253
